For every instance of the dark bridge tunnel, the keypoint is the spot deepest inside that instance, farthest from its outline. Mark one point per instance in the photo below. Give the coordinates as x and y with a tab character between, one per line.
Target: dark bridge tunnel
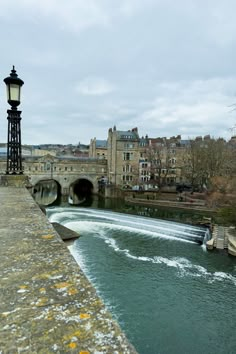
82	189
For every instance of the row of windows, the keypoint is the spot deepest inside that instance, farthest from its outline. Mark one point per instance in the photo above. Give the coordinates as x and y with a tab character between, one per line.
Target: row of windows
158	161
145	178
127	168
168	179
145	173
129	146
127	178
144	165
101	155
163	171
126	137
50	168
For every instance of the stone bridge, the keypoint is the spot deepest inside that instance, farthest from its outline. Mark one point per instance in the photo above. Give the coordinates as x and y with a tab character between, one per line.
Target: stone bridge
50	176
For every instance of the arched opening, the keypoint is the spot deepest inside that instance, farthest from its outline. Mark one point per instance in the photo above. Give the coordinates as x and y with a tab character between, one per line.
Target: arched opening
80	191
46	192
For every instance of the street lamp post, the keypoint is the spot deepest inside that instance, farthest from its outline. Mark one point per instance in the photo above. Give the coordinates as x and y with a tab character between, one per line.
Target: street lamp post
14	156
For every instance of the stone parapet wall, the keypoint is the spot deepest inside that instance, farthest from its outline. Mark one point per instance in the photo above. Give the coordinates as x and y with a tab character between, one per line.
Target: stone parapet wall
17	181
47	305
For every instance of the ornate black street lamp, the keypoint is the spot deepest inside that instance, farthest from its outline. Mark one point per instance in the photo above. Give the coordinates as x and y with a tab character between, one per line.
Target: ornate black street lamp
14	157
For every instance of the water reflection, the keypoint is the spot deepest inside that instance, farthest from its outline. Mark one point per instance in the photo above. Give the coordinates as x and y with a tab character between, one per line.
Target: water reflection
119	205
46	192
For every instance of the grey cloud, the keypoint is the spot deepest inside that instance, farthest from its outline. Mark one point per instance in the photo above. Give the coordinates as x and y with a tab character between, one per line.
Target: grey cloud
165	66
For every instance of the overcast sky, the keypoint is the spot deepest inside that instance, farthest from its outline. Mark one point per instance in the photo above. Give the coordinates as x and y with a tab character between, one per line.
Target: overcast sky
167	67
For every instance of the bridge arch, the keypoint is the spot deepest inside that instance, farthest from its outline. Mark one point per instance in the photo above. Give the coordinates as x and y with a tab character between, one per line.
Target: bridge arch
80	190
74	188
46	191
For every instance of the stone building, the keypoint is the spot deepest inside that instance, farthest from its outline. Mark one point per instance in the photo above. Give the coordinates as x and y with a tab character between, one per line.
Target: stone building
141	162
98	148
164	155
123	155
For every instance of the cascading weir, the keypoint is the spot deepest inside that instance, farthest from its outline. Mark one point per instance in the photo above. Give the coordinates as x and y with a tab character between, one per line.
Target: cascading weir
144	227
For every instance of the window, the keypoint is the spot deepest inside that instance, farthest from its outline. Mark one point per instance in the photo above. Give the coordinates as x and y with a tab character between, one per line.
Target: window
144	173
47	166
127	178
172	161
127	156
127	168
129	145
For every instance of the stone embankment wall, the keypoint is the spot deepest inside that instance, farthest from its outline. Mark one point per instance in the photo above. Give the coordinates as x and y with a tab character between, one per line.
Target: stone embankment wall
47	305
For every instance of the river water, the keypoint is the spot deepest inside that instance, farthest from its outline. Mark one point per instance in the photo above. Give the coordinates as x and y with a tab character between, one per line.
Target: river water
168	293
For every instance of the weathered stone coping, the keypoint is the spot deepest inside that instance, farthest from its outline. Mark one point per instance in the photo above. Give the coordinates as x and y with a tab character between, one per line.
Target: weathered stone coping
47	305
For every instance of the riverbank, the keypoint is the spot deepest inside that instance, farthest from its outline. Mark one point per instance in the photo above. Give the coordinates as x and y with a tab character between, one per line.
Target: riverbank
170	204
222	237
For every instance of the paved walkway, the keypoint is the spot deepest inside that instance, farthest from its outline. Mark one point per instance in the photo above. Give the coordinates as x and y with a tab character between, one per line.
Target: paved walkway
47	304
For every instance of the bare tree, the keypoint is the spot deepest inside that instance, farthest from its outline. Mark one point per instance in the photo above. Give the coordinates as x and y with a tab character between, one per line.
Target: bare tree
204	159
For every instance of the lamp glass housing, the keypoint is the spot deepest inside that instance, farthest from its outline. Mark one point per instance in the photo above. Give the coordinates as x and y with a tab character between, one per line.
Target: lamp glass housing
13	92
13	85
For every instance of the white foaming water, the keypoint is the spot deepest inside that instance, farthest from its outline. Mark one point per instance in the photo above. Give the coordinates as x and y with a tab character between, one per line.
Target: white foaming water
92	220
60	213
183	266
100	223
81	261
95	227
